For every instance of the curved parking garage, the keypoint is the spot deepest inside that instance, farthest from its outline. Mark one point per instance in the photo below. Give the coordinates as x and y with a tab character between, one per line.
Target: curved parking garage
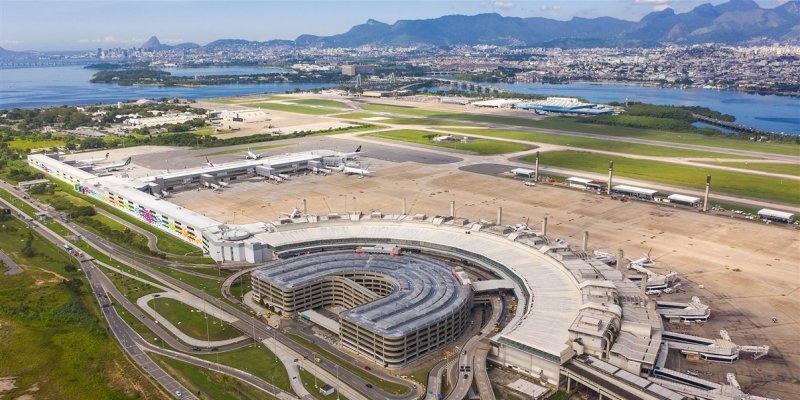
398	308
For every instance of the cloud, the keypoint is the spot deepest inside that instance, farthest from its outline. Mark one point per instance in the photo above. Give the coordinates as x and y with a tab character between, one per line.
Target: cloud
9	42
658	5
548	8
497	5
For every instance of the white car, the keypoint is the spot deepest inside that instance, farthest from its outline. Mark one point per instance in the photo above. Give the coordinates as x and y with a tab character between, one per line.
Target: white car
178	394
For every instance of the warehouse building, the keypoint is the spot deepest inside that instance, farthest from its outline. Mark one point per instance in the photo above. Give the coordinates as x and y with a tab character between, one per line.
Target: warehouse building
398	308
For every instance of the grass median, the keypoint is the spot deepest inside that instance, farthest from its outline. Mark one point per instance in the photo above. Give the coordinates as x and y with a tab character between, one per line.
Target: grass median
777	168
194	322
476	146
293	108
728	182
596	144
386	386
259	361
207	384
432	117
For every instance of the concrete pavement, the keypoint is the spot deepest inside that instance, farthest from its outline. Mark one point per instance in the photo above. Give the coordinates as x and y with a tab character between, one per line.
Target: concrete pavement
13	268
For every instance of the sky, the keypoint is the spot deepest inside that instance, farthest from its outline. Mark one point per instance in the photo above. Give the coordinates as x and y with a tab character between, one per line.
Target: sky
89	24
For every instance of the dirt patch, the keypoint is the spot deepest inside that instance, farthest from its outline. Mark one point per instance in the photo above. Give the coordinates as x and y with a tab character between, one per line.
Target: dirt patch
55	279
7	383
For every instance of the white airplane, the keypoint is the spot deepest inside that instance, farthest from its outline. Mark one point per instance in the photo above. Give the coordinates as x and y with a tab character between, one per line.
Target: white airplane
351	156
353	170
296	213
645	261
251	156
116	167
90	161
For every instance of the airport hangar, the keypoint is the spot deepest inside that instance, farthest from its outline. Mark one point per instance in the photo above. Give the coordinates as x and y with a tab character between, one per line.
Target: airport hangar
577	318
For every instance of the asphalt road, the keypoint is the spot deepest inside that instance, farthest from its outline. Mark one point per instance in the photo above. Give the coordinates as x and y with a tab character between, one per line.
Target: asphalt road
13	268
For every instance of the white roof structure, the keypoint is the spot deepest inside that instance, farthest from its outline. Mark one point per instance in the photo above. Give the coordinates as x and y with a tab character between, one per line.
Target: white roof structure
522	171
495	103
554	301
634	189
766	212
683	198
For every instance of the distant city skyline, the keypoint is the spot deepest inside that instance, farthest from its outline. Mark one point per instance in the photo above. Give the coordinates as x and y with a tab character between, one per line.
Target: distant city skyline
89	24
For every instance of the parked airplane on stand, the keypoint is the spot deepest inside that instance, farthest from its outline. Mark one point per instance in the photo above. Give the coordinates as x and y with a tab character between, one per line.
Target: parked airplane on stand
645	261
115	167
348	170
251	156
351	156
91	161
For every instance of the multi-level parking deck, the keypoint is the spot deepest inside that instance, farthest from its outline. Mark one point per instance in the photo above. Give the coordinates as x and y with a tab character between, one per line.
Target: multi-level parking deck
398	308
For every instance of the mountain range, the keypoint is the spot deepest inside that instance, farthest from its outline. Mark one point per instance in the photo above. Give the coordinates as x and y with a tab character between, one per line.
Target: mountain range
734	22
737	21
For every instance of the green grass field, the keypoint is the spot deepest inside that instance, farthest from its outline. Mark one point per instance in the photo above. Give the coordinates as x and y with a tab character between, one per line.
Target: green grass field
206	384
308	382
193	322
258	361
390	387
320	102
24	144
210	130
735	183
53	341
358	115
595	144
246	99
477	146
292	108
242	151
778	168
571	124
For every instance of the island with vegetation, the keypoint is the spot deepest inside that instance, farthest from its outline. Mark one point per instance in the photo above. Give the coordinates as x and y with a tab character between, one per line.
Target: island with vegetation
156	77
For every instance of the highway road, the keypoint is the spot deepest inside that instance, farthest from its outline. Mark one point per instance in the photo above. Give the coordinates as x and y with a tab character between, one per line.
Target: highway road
464	379
468	355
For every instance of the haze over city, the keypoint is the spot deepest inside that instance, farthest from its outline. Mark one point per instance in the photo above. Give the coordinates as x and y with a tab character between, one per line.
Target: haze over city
83	25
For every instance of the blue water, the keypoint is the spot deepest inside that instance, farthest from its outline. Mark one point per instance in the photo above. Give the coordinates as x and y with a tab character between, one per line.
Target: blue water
54	86
772	113
42	87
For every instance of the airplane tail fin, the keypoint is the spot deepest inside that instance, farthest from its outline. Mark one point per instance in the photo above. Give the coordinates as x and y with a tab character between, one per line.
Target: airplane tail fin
209	162
128	160
358	149
107	156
